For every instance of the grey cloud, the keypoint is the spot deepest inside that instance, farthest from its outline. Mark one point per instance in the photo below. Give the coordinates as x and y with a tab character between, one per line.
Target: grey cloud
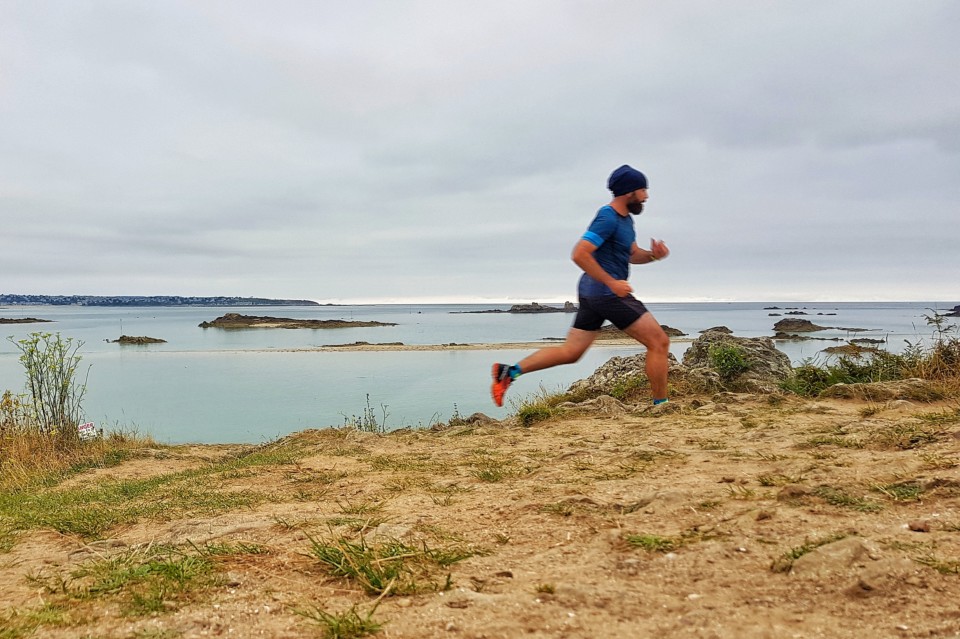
381	149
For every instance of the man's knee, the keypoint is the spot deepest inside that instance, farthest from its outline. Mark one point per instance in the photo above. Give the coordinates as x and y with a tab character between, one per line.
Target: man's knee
648	332
660	342
571	355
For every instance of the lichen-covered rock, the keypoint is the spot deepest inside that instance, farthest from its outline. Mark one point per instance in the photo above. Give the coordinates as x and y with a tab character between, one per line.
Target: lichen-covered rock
616	371
766	367
604	404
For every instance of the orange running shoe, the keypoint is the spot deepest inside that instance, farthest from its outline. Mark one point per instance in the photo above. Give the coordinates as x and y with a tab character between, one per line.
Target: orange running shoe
501	382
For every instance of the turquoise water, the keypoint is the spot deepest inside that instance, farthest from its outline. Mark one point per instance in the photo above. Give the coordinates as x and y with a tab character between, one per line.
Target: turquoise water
214	386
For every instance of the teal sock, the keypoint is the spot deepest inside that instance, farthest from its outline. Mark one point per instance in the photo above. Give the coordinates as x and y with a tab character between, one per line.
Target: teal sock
514	372
657	402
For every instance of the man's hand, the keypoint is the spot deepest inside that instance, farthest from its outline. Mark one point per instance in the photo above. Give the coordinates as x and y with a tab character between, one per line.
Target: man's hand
621	288
659	249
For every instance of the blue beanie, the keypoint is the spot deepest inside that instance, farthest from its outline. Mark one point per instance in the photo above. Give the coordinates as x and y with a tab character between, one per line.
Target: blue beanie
625	180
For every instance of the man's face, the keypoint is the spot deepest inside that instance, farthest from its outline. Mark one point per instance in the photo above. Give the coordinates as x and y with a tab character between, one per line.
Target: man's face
636	200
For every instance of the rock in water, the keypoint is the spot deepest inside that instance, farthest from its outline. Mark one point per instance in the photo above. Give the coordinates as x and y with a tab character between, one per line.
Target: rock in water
791	325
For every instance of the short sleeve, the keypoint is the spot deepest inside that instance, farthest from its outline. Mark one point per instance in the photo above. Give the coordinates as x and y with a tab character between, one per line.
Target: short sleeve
602	228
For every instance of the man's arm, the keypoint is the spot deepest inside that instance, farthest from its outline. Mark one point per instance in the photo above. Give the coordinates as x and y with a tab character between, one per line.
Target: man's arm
658	251
583	257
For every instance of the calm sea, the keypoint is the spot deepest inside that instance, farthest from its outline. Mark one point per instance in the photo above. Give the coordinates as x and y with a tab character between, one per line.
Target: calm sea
216	386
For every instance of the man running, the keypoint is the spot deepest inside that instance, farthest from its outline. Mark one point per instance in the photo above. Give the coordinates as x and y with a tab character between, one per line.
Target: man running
605	253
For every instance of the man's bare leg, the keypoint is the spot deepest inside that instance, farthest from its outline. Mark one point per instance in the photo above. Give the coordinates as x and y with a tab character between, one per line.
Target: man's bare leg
572	349
648	332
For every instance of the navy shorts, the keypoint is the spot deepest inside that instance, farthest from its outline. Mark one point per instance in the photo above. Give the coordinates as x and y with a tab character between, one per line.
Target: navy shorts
621	311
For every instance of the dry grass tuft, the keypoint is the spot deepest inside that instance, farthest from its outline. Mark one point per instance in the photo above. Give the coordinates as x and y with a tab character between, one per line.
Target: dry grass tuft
29	457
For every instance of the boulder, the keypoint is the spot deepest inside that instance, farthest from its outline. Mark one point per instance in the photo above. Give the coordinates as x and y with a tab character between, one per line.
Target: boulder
143	339
535	307
792	325
604	404
766	366
719	329
22	320
617	370
836	557
237	321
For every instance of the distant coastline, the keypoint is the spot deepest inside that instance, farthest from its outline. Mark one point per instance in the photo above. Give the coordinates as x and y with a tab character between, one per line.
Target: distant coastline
144	300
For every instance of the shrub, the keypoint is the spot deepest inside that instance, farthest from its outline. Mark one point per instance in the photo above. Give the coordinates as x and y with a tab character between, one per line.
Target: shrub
729	361
939	362
39	442
367	422
54	396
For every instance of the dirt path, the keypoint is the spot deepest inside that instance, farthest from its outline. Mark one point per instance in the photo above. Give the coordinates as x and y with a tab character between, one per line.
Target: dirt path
729	517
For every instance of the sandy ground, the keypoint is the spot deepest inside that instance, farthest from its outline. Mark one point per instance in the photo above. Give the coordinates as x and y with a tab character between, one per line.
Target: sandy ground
706	520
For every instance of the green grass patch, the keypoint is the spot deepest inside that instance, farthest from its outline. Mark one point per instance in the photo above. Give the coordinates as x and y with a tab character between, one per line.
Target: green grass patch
775	480
543	406
90	510
20	624
938	362
908	436
653	543
942	418
784	562
149	580
630	387
810	379
830	440
349	624
8	538
492	469
839	498
902	491
530	414
562	509
392	567
365	507
408	463
943	566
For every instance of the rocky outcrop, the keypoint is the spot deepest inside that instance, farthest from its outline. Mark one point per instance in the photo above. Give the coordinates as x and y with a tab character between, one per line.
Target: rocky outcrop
21	320
361	343
764	367
146	300
851	350
954	313
532	307
618	371
609	331
719	329
236	320
791	325
787	328
127	339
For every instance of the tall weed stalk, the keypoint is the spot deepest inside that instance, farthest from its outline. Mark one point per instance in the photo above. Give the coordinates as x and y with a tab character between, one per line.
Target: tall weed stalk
54	393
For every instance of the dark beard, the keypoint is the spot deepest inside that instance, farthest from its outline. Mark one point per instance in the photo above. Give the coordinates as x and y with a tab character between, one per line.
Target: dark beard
635	207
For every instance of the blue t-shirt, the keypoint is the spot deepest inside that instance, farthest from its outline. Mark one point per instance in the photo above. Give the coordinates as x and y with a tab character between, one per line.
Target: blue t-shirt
613	235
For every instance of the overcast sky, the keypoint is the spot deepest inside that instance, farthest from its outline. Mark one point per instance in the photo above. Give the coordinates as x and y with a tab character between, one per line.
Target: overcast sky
451	150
